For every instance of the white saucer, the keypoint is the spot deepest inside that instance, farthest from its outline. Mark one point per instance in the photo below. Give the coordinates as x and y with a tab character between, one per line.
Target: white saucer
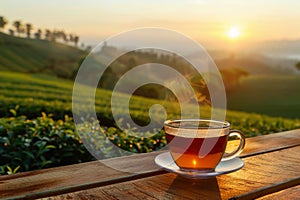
166	162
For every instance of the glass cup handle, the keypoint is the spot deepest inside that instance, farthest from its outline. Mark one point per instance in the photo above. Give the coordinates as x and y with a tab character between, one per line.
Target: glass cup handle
235	153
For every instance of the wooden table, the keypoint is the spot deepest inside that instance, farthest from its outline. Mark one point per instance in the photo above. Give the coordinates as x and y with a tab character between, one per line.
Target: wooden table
272	170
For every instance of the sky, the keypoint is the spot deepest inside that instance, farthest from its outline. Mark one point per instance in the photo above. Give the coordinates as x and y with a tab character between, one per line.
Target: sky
206	21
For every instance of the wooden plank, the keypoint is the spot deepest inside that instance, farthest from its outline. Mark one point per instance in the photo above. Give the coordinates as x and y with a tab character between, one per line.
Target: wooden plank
70	178
66	179
270	189
271	142
262	173
290	193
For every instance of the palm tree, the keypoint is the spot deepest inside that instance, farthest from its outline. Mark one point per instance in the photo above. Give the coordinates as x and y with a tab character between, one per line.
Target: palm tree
28	29
3	22
54	36
18	26
47	34
64	37
76	39
71	37
38	34
11	32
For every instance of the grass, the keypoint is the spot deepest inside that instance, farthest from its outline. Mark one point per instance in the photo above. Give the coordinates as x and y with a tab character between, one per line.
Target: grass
276	96
271	95
31	55
31	139
36	93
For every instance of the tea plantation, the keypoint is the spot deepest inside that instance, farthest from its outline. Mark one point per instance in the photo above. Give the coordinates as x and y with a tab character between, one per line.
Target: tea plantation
37	130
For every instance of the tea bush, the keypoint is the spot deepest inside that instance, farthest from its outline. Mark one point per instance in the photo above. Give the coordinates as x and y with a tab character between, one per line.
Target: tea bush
29	141
30	144
38	143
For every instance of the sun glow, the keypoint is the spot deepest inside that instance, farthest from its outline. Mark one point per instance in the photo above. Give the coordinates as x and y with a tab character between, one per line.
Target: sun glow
194	162
234	33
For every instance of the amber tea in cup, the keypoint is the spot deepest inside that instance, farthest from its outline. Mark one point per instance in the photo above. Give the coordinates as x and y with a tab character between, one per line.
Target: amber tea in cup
197	144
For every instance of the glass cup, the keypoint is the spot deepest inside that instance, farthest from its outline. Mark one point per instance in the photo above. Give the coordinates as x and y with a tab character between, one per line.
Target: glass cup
199	145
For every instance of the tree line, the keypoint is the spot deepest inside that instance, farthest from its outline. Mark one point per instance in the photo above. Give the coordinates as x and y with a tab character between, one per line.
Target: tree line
231	76
26	29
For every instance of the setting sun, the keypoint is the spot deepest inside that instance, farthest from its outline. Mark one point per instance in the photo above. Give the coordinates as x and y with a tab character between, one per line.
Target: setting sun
234	32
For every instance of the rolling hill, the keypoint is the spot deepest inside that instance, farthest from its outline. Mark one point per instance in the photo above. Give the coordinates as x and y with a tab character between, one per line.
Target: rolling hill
36	93
36	130
36	56
273	95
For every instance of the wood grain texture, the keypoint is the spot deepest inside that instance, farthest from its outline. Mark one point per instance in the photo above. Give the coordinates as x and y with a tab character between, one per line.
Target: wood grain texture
290	193
271	142
270	189
71	178
261	171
